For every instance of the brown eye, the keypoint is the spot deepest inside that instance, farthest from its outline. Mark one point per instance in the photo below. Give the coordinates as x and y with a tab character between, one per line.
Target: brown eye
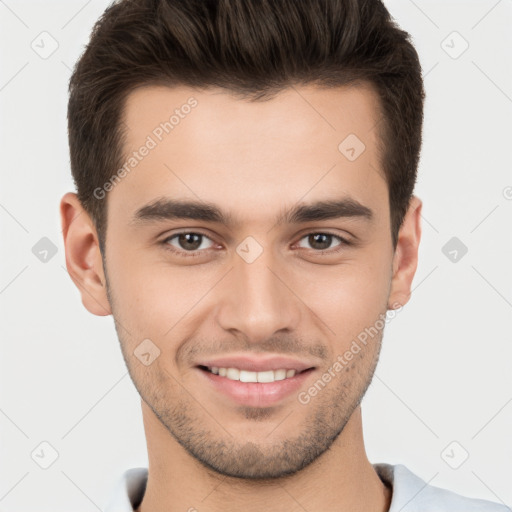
322	241
187	242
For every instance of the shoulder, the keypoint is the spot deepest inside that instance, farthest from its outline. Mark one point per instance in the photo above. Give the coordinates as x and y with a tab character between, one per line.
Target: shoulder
413	494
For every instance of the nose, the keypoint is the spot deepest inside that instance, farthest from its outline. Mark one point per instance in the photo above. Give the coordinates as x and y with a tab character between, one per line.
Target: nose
257	299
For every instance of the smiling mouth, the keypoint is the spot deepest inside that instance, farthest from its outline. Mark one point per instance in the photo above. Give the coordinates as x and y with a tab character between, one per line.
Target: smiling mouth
266	376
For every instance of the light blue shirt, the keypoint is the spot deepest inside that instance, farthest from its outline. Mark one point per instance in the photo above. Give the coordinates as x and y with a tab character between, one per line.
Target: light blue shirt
410	493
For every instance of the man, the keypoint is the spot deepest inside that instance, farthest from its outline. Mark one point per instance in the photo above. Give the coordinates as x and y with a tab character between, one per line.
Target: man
245	211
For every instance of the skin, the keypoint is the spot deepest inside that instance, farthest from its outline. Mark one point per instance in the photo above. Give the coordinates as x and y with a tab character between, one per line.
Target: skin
253	160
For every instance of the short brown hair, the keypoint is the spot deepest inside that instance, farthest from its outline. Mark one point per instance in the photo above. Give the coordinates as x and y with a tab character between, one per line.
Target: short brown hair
253	48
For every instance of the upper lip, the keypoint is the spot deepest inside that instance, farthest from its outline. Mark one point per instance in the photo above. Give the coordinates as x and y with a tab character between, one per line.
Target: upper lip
257	364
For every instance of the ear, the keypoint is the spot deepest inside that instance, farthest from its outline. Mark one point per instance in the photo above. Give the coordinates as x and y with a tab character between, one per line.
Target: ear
83	256
405	259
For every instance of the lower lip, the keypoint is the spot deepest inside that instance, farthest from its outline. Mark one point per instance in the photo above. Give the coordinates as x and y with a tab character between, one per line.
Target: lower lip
256	394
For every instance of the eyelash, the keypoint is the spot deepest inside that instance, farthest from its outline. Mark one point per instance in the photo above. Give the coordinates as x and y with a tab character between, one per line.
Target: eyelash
197	253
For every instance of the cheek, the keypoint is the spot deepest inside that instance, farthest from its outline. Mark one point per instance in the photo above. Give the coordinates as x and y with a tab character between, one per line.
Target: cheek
347	298
153	299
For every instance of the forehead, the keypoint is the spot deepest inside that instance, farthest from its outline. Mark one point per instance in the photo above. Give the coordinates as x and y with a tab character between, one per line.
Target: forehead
303	143
306	112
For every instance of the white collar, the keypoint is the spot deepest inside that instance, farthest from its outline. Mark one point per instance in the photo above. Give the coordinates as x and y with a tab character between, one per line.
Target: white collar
409	493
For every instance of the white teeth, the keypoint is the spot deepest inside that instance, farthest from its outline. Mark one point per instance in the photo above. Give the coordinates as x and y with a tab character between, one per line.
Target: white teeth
233	374
280	374
248	376
268	376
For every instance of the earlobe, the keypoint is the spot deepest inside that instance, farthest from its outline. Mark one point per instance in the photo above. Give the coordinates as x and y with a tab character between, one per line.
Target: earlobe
405	260
83	256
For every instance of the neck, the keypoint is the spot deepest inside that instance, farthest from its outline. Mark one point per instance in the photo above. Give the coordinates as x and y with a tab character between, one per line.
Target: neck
340	479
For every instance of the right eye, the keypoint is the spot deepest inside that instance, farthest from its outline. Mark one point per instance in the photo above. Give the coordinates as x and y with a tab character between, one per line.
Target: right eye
186	242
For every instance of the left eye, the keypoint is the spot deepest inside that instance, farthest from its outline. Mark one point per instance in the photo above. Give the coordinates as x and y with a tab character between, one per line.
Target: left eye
322	241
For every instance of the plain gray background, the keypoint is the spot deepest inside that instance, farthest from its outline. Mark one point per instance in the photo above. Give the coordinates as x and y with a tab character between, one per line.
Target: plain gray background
443	387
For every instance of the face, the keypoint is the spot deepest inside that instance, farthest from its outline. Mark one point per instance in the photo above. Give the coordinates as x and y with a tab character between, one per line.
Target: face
283	260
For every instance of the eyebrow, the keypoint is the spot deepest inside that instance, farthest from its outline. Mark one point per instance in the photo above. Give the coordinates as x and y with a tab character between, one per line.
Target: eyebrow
171	209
